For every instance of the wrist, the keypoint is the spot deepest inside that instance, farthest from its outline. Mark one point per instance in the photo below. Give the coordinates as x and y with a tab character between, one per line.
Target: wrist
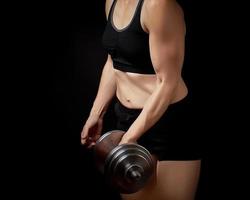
128	139
96	113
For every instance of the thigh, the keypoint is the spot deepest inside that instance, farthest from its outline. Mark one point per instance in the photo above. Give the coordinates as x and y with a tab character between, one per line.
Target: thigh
177	180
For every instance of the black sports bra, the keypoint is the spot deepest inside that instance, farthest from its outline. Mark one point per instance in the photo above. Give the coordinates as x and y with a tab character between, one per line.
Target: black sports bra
129	46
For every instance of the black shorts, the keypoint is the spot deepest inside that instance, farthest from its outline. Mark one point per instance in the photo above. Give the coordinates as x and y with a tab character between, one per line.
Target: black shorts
174	137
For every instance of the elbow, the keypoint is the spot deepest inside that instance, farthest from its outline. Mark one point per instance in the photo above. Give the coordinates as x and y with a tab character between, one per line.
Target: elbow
168	77
167	89
167	84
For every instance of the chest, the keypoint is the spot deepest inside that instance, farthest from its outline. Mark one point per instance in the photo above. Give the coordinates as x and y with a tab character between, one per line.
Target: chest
131	42
122	15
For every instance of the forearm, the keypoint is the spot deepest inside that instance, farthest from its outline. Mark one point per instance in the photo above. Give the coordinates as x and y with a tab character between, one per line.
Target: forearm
106	91
166	27
153	109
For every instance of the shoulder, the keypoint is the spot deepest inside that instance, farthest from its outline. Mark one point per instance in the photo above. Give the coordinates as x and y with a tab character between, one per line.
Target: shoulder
162	12
161	5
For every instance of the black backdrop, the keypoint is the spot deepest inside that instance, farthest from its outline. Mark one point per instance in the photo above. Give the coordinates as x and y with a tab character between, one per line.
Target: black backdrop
79	58
63	42
73	64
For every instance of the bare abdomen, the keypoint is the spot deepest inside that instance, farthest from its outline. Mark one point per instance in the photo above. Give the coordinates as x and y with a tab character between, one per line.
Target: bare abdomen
134	89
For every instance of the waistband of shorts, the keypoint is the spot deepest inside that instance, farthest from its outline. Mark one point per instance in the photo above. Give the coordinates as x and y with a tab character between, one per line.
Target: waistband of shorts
125	109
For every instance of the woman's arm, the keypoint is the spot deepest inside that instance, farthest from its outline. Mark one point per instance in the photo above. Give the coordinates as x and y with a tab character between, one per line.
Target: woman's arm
106	90
93	126
107	86
166	27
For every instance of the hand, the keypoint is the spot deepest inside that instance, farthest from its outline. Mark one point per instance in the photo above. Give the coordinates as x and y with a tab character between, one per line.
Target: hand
127	140
91	131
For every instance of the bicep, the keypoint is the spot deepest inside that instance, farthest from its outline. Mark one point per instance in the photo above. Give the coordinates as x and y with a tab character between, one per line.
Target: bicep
109	65
167	41
167	55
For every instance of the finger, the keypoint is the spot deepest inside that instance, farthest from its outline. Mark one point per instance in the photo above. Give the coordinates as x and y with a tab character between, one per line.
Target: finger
96	137
84	132
92	144
86	140
84	135
83	141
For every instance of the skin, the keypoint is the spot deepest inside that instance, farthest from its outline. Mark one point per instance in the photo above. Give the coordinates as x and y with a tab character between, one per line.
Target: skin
164	21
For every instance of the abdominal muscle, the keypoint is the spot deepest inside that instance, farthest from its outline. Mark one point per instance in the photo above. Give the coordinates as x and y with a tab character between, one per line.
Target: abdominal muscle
133	89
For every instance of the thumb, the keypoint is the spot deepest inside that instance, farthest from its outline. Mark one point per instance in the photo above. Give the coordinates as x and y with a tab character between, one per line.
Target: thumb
84	135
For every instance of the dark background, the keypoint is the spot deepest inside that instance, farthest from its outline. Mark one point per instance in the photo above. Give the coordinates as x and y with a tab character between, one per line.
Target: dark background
60	48
79	58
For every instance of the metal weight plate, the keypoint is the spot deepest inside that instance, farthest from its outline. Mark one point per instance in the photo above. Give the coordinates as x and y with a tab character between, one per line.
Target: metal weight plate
128	167
104	145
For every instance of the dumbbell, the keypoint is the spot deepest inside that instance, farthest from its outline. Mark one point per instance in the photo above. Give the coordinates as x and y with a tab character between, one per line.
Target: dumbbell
126	167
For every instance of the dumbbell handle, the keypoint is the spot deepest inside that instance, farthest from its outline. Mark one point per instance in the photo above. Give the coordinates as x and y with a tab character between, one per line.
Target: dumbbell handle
134	172
135	175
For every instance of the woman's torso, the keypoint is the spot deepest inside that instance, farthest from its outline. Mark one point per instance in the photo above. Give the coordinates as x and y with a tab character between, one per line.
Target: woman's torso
133	89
